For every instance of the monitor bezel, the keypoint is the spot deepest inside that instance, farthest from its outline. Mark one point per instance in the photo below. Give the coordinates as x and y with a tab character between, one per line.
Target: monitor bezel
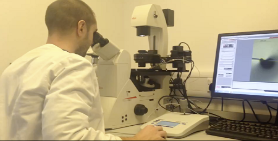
238	96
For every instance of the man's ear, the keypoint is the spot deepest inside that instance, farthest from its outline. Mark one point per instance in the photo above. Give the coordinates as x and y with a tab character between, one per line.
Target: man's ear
81	28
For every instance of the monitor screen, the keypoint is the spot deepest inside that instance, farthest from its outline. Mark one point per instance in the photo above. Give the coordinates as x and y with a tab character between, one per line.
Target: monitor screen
247	64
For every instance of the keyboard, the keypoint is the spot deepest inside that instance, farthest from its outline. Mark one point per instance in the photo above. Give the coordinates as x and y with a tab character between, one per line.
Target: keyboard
243	130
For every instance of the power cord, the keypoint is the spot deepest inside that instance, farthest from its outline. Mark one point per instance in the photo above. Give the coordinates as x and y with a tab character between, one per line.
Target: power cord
264	102
170	103
195	66
171	79
178	84
182	84
185	44
195	105
244	112
205	109
189	74
243	107
253	111
268	108
270	115
207	105
222	103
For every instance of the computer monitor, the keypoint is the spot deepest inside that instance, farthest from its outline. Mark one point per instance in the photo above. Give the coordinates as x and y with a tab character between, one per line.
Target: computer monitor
246	66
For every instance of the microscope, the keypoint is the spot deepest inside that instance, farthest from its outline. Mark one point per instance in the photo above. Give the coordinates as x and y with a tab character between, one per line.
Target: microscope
130	96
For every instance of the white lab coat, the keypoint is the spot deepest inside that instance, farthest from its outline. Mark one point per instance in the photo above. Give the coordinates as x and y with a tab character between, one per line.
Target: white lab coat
51	94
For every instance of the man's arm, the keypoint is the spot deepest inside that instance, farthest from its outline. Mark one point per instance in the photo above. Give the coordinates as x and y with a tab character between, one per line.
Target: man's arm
68	105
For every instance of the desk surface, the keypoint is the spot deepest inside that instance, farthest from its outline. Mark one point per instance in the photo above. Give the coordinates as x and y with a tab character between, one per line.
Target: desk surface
131	131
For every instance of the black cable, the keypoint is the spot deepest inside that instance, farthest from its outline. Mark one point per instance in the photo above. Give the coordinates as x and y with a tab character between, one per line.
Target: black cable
182	84
268	108
271	107
171	106
186	45
189	74
222	103
174	92
181	88
244	113
176	99
162	98
253	111
171	80
177	102
270	114
181	93
243	107
180	74
160	104
185	95
172	98
231	99
207	106
180	107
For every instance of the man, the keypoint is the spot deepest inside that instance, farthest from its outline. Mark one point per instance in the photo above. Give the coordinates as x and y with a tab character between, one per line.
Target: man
51	92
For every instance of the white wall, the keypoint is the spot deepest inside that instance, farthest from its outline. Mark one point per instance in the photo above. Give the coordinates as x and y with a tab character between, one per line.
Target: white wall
22	26
198	22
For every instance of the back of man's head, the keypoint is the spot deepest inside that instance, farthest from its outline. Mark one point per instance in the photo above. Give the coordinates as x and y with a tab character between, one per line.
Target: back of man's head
62	16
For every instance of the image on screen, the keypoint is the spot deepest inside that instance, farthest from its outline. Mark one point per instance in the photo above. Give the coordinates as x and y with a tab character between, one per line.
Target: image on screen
264	61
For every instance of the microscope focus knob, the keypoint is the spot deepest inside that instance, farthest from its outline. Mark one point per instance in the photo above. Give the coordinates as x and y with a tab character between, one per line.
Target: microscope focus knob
140	109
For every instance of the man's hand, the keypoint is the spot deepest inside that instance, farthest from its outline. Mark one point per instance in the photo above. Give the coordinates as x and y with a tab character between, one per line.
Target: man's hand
150	132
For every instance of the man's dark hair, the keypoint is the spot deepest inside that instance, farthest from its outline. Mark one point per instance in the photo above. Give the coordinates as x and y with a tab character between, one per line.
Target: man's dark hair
63	15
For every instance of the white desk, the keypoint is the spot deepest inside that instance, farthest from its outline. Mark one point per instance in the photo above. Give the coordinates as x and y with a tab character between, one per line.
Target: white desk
131	131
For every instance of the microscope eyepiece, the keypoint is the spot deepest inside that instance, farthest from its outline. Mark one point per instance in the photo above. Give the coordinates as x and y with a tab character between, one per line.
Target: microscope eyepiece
98	38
